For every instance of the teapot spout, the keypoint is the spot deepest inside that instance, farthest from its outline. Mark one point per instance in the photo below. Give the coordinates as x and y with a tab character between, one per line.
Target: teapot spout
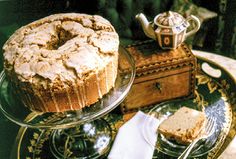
147	26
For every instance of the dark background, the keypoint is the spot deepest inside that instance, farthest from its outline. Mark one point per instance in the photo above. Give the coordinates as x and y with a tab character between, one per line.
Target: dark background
219	32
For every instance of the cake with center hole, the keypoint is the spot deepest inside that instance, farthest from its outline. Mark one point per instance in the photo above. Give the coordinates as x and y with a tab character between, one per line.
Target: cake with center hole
62	62
183	126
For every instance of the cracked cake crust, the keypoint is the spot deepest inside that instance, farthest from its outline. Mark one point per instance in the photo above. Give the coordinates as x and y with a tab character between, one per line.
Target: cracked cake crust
63	61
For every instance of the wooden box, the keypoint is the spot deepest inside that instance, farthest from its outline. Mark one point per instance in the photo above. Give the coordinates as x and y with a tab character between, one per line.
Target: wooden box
160	75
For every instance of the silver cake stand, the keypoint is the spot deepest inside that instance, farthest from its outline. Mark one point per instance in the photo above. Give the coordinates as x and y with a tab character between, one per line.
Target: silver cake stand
75	134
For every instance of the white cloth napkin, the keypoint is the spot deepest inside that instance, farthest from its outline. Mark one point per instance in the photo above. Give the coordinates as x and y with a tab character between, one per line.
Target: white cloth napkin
130	142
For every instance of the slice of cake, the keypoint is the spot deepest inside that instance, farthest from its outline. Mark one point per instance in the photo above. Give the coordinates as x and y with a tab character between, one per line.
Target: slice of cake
183	126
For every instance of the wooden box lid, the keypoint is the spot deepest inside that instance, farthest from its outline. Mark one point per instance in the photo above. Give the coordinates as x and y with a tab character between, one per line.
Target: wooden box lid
148	56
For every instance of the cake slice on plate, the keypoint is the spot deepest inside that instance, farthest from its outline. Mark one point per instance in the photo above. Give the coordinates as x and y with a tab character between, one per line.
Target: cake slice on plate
183	126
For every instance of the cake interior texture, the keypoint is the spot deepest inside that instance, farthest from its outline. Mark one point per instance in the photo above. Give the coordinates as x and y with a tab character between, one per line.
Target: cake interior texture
63	61
183	126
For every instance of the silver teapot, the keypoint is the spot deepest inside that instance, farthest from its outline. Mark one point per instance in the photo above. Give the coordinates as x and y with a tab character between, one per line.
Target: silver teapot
169	29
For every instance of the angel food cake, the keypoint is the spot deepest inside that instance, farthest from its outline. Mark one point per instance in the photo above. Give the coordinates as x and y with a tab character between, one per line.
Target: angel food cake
184	125
63	61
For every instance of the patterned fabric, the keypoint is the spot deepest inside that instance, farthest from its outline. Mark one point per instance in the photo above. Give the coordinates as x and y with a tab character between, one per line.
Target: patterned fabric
187	8
221	35
226	34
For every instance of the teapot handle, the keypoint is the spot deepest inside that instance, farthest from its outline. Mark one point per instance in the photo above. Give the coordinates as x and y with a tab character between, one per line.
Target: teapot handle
196	27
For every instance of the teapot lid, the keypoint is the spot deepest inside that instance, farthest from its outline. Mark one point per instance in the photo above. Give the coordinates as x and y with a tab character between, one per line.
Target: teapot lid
169	19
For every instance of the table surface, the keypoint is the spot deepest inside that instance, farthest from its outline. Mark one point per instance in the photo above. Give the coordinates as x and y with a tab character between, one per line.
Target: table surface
228	64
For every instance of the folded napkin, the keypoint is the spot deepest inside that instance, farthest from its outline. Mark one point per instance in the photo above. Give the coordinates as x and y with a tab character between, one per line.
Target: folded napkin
130	141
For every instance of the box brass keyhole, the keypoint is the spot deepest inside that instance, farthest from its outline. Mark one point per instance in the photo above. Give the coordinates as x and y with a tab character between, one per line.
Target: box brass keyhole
158	86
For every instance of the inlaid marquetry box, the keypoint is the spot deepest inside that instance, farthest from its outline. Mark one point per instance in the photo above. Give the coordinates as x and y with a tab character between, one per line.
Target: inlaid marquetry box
161	75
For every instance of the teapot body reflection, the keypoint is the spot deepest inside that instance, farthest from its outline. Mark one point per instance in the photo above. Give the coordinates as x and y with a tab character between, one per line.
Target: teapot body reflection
169	29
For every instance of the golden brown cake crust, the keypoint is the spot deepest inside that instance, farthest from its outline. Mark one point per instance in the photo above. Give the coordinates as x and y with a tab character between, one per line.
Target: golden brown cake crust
63	61
183	126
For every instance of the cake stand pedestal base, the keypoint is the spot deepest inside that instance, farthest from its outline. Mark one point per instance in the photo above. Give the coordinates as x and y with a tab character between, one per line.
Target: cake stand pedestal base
90	140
